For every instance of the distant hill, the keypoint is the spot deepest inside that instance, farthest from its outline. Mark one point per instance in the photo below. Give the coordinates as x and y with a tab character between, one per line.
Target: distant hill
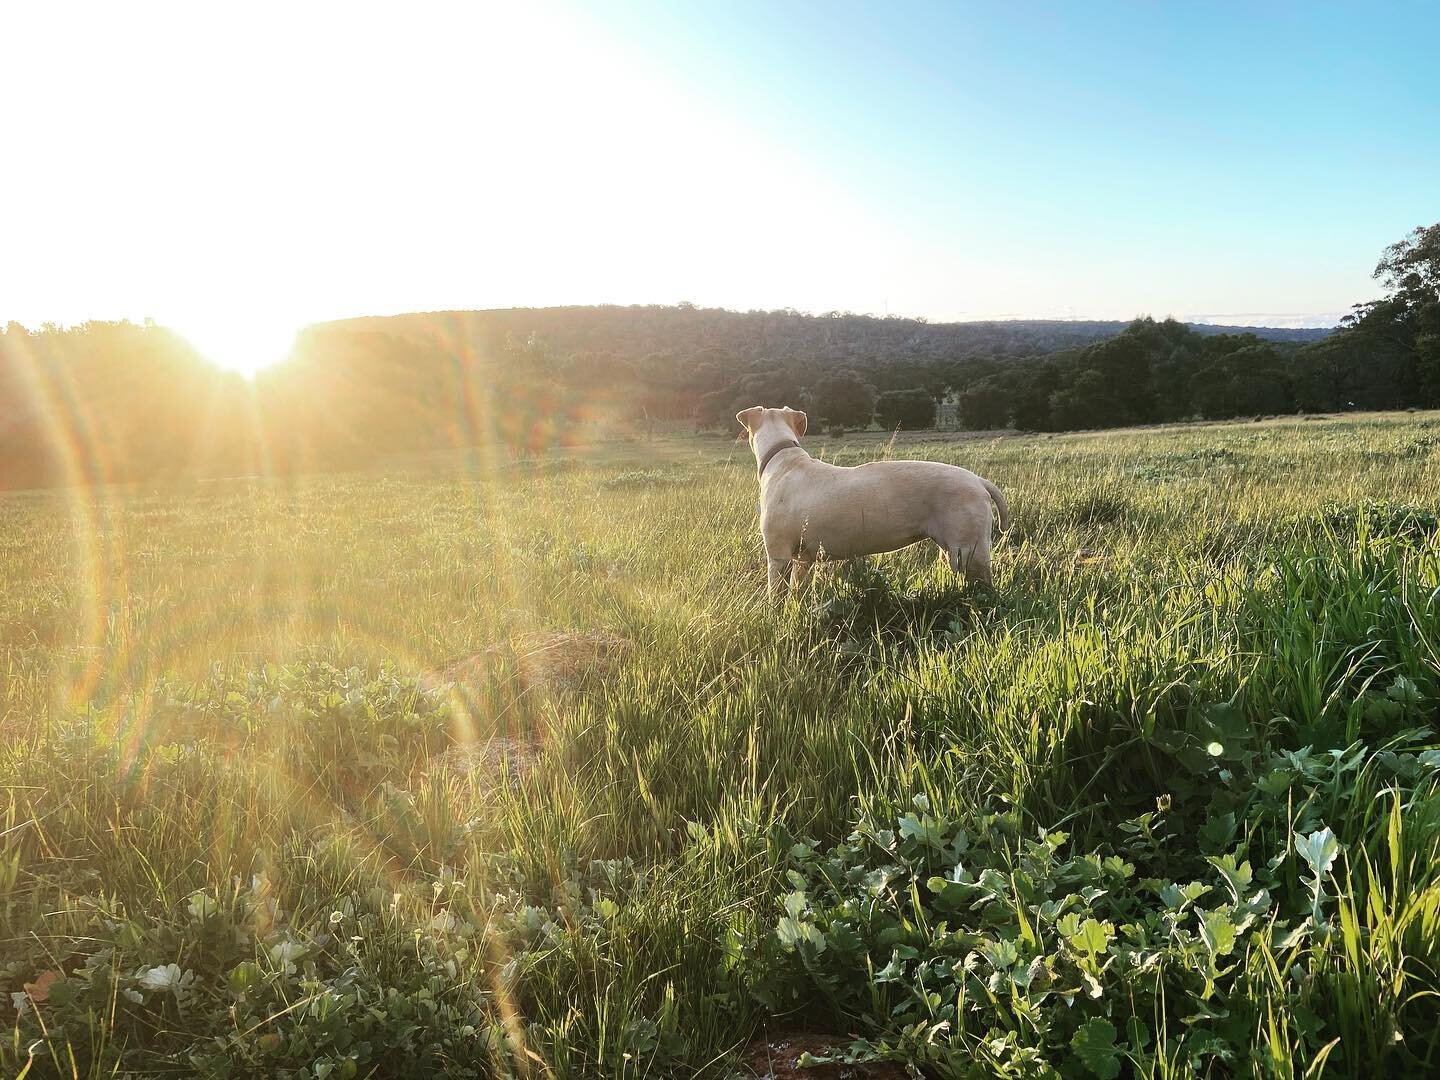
1293	335
105	402
684	330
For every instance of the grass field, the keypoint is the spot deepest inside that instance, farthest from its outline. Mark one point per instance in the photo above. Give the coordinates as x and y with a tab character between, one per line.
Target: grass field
514	771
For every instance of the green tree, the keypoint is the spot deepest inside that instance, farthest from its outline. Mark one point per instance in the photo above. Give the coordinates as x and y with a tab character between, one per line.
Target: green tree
1410	268
1117	382
1089	400
842	400
1030	396
1408	316
986	404
716	410
910	410
1248	381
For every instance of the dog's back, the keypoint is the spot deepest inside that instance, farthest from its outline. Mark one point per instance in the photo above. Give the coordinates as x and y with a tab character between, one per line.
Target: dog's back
867	509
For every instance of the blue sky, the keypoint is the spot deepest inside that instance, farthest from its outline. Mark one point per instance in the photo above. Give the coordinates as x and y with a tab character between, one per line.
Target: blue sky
1253	157
237	178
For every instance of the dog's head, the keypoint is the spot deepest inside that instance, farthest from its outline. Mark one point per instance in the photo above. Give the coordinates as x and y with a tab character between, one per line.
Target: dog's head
756	418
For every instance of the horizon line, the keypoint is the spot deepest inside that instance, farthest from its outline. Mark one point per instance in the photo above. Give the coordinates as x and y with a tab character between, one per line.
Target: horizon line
1283	320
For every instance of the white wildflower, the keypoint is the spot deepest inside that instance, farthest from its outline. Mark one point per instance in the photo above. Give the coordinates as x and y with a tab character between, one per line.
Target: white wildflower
168	979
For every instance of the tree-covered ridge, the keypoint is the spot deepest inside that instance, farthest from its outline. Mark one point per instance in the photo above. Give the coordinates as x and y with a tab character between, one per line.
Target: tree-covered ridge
639	330
117	401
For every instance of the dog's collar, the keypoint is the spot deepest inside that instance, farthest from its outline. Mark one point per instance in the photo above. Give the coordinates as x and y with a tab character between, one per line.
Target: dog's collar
769	454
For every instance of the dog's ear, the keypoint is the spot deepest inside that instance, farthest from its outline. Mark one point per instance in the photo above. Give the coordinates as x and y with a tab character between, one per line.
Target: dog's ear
796	419
751	416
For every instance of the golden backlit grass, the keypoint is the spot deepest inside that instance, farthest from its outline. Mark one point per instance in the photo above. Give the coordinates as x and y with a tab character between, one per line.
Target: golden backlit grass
485	748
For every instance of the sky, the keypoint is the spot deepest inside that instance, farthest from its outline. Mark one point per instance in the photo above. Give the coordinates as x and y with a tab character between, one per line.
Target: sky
237	171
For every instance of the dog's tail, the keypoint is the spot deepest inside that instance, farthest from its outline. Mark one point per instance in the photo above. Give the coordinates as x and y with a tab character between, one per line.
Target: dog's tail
1001	506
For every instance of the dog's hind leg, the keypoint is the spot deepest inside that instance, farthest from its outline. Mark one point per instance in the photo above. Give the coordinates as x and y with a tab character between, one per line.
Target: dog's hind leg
969	555
778	569
975	564
800	573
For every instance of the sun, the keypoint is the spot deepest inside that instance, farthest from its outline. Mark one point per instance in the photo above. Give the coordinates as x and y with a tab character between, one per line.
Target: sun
243	344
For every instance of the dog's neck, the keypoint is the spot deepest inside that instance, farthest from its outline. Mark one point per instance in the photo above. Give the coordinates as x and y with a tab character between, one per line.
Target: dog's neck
767	444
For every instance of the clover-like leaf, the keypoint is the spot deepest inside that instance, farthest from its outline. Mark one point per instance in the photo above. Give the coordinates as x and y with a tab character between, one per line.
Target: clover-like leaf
1237	877
894	971
876	880
243	976
1094	1045
1383	710
1218	931
1227	721
911	828
1218	832
793	934
1002	953
201	906
1404	691
1175	896
1092	937
1137	1033
1318	850
788	931
949	895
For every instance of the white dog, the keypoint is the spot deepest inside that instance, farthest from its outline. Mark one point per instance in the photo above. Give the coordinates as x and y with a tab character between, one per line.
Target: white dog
809	508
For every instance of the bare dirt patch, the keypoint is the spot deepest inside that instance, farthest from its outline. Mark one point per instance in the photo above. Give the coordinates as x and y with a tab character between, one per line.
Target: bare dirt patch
556	660
777	1055
560	660
491	755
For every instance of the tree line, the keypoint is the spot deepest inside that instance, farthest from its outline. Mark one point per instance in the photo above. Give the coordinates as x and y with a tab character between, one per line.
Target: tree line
1386	355
122	401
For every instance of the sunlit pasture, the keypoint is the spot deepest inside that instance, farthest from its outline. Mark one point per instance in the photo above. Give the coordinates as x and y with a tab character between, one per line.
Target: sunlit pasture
515	770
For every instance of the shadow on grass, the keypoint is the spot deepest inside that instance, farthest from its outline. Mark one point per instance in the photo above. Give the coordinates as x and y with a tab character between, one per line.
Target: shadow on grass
859	604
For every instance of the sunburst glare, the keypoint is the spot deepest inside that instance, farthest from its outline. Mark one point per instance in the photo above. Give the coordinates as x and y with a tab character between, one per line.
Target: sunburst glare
244	344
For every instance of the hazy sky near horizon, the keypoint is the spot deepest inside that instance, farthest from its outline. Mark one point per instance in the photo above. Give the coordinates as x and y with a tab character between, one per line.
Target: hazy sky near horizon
238	171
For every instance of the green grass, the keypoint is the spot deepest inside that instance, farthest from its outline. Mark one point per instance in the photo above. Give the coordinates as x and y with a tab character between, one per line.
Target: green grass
1166	802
